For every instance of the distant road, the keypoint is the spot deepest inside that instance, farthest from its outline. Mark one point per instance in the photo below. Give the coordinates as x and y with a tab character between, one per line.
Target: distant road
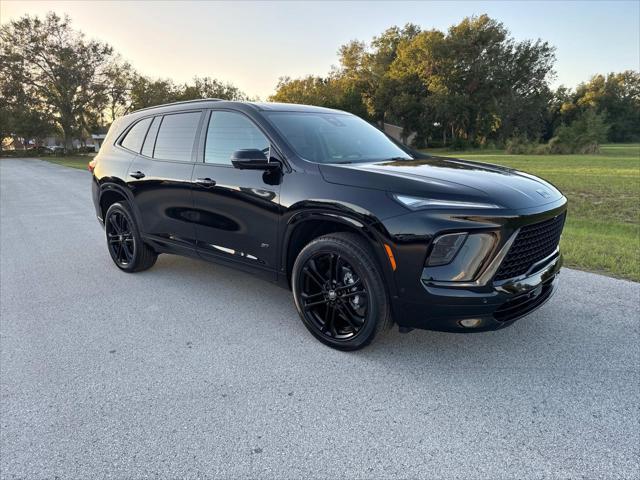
195	370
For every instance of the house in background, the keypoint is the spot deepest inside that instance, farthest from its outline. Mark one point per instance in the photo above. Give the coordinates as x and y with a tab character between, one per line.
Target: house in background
98	139
93	141
396	132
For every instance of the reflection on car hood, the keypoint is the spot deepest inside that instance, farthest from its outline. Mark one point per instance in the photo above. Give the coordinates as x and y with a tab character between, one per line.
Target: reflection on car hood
447	178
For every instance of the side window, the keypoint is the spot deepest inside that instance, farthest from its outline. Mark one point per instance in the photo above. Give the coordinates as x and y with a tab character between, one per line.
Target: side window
176	135
150	139
135	136
228	132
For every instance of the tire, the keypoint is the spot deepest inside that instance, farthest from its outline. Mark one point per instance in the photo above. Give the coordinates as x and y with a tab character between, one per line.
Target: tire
339	291
125	245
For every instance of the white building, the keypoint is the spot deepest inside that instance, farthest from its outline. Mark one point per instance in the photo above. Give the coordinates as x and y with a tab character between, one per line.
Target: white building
395	132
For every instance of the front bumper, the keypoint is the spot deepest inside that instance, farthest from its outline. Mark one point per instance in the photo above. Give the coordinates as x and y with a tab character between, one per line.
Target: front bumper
495	305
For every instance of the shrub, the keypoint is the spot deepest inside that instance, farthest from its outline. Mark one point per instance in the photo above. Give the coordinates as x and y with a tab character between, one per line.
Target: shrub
542	149
23	153
558	148
461	144
583	135
520	145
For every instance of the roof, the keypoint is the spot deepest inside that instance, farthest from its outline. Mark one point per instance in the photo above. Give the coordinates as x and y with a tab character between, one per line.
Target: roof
264	106
292	107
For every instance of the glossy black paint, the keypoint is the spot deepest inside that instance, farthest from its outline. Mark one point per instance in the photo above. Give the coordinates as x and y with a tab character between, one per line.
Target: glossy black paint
249	218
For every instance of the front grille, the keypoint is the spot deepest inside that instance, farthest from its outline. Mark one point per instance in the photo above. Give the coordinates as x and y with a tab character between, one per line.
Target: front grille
533	243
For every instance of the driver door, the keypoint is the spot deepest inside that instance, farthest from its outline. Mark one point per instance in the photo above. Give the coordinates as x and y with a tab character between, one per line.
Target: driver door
237	211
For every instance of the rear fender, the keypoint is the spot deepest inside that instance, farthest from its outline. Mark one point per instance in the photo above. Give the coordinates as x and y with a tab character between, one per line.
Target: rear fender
116	185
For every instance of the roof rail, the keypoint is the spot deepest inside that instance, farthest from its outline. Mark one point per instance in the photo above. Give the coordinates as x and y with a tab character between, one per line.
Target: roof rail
180	103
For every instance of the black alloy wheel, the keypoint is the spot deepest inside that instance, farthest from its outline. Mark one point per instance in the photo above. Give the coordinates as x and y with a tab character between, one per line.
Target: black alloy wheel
339	292
120	237
124	242
333	296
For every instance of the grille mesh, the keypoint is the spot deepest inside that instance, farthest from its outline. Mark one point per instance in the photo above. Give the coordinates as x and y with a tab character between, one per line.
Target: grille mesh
533	243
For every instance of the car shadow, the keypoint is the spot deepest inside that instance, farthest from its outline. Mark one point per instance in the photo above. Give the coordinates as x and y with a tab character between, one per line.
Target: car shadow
528	340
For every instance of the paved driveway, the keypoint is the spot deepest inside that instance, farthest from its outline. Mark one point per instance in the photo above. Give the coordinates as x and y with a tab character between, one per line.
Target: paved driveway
196	370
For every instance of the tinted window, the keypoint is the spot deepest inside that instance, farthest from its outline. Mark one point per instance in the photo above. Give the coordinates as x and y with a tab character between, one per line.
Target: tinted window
339	138
150	140
176	135
134	138
228	132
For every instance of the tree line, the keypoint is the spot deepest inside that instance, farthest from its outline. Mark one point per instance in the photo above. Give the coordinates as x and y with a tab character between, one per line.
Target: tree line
473	85
53	80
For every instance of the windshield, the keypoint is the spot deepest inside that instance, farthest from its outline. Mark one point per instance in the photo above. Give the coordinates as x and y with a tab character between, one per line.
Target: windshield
335	138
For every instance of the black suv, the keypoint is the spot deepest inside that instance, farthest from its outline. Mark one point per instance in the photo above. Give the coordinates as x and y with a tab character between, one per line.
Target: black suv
365	231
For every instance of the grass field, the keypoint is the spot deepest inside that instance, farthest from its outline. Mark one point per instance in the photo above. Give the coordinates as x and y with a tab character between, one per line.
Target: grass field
602	233
74	161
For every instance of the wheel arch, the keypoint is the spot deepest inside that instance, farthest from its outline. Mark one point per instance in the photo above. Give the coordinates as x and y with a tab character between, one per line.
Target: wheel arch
111	193
306	226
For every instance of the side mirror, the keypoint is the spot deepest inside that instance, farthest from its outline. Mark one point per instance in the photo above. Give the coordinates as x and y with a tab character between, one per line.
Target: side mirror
252	159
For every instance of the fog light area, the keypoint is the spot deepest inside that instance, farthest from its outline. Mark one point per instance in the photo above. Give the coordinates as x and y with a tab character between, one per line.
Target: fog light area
471	322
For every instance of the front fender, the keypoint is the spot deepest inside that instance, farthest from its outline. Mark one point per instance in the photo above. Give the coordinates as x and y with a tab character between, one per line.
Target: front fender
358	219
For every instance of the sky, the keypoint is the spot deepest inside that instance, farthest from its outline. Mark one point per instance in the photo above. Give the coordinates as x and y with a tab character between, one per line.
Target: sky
252	44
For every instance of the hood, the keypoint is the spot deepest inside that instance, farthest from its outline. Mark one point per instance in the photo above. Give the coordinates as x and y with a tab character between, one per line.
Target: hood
447	179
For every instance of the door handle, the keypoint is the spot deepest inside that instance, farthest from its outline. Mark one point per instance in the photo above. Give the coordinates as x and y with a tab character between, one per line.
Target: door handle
206	182
138	174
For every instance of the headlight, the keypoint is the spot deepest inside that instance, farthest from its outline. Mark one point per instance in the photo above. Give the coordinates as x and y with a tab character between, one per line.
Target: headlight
445	248
416	203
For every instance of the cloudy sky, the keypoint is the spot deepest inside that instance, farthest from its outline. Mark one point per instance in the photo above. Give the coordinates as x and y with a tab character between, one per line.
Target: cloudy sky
251	44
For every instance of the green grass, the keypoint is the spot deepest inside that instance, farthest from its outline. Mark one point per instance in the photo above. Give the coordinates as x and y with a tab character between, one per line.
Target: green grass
602	233
73	161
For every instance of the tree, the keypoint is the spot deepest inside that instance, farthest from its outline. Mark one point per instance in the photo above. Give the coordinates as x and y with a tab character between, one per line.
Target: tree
60	70
119	79
332	91
208	87
148	93
471	84
616	96
312	90
20	115
366	68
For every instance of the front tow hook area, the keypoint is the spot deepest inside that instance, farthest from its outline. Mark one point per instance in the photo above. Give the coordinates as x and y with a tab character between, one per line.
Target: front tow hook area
533	282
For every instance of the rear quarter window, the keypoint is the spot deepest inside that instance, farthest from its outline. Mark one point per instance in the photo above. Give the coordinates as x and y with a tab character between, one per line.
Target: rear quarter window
135	136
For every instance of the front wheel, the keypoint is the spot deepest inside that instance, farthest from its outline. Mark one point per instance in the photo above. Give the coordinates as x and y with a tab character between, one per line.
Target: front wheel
124	242
339	292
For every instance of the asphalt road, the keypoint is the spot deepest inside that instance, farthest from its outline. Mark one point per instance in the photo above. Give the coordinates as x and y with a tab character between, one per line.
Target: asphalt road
195	370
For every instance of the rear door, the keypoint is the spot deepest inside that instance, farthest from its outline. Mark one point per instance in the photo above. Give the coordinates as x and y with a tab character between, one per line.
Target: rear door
237	210
160	179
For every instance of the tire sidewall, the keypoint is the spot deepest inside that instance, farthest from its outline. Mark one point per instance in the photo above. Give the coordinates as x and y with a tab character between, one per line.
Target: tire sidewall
374	310
123	208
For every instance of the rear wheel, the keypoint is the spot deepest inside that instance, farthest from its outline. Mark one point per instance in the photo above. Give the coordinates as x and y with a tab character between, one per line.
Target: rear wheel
124	242
339	291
